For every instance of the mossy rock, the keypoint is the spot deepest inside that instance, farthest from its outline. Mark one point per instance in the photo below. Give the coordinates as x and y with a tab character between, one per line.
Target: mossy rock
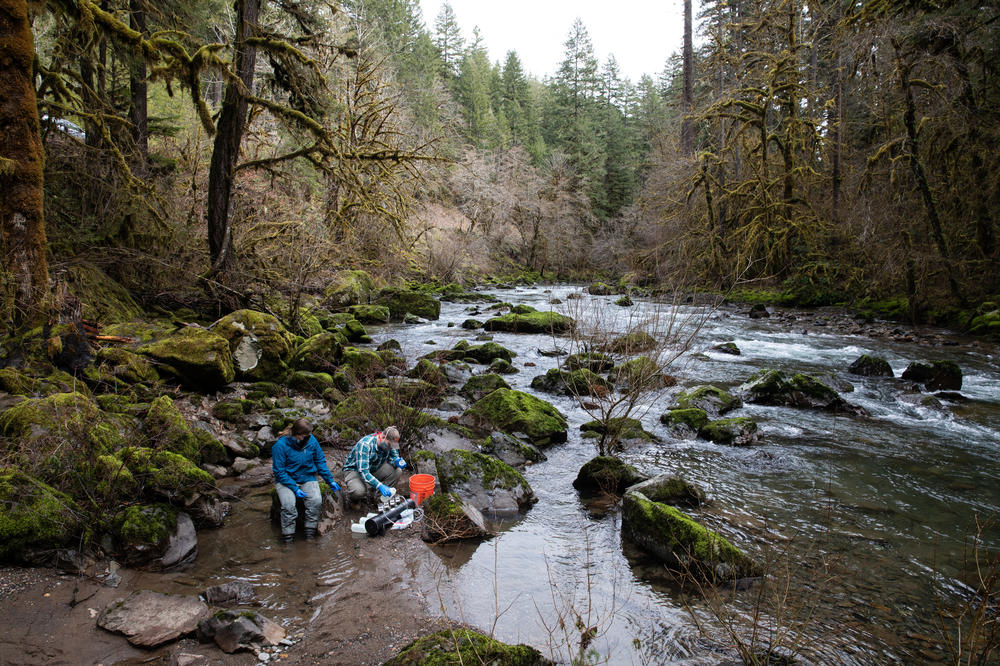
624	302
771	387
619	429
167	430
986	323
102	298
512	412
57	415
362	362
713	400
531	322
34	517
320	353
671	490
210	449
355	332
636	342
601	289
680	542
936	375
200	359
143	531
401	302
126	366
576	383
685	421
448	518
265	389
411	391
141	331
429	372
349	287
17	383
502	367
370	314
464	646
315	383
606	474
479	386
232	410
727	348
164	474
740	431
638	374
488	483
472	324
511	450
593	361
871	366
488	352
260	345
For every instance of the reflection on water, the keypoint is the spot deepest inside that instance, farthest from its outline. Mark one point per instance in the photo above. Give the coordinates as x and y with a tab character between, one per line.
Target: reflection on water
860	513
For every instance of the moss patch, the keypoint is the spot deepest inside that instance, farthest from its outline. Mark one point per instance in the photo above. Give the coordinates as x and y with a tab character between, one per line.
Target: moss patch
531	322
167	430
692	418
463	646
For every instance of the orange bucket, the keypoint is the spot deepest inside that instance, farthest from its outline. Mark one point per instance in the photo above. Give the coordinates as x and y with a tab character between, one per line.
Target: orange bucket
421	487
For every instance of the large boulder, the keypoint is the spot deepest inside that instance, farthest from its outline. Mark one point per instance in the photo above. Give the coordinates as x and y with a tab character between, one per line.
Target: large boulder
515	412
200	359
593	361
166	429
150	619
685	423
404	301
33	517
574	383
487	483
60	415
606	474
680	542
260	345
349	288
160	475
320	353
370	314
464	646
119	367
713	400
771	387
447	517
511	450
479	386
430	372
871	366
936	375
740	431
620	430
156	537
488	352
531	321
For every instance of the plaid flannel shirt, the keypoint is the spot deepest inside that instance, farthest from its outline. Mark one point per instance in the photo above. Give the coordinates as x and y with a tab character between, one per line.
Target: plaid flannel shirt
367	456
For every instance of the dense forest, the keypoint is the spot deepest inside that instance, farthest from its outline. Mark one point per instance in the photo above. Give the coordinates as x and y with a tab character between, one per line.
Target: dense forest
231	153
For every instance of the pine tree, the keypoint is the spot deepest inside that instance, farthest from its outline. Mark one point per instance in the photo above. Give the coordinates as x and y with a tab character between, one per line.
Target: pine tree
448	40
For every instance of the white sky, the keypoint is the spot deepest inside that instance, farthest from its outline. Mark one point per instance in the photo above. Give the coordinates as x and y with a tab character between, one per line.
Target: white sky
640	33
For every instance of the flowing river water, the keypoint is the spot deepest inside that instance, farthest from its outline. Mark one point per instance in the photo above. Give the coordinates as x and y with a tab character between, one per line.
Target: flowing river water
863	522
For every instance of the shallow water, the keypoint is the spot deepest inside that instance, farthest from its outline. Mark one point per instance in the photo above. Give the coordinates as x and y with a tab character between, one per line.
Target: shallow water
864	513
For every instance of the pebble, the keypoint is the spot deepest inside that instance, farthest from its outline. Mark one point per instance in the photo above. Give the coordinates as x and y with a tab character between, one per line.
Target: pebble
263	657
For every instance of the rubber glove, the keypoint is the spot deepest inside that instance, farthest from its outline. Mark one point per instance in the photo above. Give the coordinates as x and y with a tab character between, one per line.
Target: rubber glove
301	494
400	463
384	489
334	486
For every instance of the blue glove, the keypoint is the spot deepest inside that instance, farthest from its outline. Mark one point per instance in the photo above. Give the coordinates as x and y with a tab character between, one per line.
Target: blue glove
334	487
300	493
400	463
384	489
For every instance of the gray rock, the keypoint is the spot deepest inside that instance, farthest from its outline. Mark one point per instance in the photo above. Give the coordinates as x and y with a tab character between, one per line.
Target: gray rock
208	511
233	631
511	450
216	471
182	545
487	483
237	593
241	465
150	619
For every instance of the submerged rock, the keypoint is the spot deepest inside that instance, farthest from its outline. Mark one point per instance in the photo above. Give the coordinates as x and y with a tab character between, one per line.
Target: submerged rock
593	361
150	619
727	348
619	429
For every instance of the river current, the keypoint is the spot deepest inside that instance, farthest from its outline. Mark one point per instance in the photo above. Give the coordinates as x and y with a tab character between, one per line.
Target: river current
865	523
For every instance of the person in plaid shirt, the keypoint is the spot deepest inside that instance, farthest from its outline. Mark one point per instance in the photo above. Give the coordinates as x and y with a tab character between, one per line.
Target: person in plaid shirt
374	462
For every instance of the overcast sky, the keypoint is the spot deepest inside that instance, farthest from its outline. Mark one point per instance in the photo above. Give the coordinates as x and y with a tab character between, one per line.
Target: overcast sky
640	33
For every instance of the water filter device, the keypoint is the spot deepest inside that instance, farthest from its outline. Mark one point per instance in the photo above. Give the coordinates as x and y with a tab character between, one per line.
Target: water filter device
379	524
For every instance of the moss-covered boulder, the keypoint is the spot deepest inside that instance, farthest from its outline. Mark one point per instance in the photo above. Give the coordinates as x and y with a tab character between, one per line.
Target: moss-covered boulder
680	542
165	475
455	647
314	383
429	372
320	353
740	431
370	314
871	366
17	383
124	366
601	289
511	450
472	324
671	490
62	416
102	299
772	387
447	518
531	322
514	412
34	517
593	361
404	301
619	430
200	359
639	374
936	375
155	536
348	288
232	411
355	332
713	400
363	362
411	391
729	348
637	342
625	301
167	430
260	345
502	367
487	483
986	321
479	386
488	352
685	422
606	474
576	383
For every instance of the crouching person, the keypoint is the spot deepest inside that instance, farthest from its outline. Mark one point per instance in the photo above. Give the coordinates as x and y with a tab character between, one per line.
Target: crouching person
296	459
374	462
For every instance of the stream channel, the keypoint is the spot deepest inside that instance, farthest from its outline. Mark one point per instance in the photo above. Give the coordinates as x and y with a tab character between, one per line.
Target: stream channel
868	519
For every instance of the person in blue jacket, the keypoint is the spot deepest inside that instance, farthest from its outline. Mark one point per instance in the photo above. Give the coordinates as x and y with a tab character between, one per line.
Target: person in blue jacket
374	462
296	459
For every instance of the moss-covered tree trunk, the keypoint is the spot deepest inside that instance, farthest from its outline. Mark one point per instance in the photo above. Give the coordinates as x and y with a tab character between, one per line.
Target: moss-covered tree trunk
226	151
22	222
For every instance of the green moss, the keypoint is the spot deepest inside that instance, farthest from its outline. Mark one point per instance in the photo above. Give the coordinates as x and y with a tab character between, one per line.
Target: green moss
443	506
512	411
692	418
170	475
231	410
364	410
146	528
624	302
621	428
502	367
402	301
532	322
593	361
637	374
17	383
127	366
320	353
631	343
709	398
362	362
308	323
167	430
738	431
57	413
349	287
606	474
480	385
456	466
455	647
102	298
488	352
210	449
601	289
200	359
429	372
33	515
370	314
260	345
316	383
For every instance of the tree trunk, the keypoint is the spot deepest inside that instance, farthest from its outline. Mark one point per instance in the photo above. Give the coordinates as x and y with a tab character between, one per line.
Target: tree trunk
138	114
229	135
22	221
687	99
